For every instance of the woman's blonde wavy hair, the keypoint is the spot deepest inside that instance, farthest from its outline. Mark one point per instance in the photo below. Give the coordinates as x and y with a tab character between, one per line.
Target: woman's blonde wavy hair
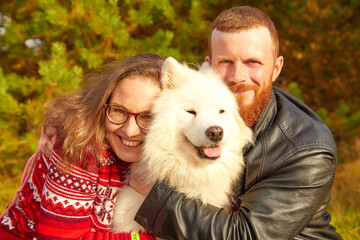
80	118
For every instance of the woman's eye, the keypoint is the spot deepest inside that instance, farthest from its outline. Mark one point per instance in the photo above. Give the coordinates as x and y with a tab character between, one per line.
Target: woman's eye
119	111
146	117
191	112
221	111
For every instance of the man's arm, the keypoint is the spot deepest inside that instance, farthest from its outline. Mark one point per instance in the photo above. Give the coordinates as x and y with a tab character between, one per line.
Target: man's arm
278	206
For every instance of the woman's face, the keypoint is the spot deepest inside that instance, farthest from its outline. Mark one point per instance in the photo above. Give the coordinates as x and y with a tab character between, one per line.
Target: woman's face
136	94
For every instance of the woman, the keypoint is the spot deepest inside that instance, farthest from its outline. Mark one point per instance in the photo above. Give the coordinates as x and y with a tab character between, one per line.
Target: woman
100	130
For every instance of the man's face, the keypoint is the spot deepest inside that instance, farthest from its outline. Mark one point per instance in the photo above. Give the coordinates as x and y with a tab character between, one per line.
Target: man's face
245	60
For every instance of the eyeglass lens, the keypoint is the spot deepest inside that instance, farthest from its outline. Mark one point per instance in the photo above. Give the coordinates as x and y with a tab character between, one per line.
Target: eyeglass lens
120	115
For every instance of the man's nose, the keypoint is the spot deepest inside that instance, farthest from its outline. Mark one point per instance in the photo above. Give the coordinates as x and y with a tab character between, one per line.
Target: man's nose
239	73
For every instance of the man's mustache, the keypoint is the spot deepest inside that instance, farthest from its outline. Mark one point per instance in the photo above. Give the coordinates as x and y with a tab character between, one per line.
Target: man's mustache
240	87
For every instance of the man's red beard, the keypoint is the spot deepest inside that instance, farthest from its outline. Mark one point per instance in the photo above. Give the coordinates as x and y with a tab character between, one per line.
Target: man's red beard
251	113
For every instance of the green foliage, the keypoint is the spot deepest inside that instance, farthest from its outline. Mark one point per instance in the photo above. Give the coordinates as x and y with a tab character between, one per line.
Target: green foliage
7	192
47	45
22	99
294	89
324	115
54	73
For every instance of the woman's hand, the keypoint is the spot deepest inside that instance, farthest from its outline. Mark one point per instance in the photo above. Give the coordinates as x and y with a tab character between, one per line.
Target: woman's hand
51	133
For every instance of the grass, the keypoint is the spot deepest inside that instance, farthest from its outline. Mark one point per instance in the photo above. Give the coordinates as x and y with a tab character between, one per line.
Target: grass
345	203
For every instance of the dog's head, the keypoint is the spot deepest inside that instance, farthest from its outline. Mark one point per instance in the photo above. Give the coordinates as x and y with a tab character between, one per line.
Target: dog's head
196	115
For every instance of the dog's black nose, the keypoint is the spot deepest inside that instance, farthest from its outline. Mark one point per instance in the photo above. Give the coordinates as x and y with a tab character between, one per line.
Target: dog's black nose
215	133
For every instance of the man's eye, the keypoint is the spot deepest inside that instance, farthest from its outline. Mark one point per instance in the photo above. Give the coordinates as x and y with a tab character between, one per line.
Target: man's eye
225	61
254	62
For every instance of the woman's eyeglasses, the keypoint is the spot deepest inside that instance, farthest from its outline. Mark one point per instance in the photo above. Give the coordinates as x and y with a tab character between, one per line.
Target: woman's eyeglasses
119	115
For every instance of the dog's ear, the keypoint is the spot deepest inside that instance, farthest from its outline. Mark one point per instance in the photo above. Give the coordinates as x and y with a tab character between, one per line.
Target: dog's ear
208	70
171	73
205	67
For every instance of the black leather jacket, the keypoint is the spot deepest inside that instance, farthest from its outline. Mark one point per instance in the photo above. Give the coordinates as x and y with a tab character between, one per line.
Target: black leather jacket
283	195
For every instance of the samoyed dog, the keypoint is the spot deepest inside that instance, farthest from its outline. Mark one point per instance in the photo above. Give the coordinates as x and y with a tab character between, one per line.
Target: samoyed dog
194	144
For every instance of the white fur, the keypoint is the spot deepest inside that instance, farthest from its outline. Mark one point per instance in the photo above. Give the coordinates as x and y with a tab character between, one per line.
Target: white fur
169	149
127	204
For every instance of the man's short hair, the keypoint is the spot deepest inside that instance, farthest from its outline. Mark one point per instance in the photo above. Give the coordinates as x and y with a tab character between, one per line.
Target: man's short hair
242	18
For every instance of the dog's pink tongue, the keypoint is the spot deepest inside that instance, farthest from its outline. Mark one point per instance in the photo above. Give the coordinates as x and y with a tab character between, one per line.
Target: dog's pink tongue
212	151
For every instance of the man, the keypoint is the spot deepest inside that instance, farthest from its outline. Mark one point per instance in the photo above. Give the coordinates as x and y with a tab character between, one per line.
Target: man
290	169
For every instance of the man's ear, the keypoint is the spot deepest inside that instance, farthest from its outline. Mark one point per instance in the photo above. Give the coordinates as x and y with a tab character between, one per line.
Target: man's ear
208	59
279	62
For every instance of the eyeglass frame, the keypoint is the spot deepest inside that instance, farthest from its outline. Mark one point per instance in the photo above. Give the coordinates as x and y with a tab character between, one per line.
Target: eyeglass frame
108	106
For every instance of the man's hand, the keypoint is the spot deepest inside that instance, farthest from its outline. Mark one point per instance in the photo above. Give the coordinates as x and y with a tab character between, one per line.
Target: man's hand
51	133
140	184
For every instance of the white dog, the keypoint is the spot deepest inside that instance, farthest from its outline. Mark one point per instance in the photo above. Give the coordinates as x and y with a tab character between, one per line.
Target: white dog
194	144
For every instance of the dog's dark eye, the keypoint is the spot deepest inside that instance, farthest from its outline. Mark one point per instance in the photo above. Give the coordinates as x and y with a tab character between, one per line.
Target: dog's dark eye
191	112
221	111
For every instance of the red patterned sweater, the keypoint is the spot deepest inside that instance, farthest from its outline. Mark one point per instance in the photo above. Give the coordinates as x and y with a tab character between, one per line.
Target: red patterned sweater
68	202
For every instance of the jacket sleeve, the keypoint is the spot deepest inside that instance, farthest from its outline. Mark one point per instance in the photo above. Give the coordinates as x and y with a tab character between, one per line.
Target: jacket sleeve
277	206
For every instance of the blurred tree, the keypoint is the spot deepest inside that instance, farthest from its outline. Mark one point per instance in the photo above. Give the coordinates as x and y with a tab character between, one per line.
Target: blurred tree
320	43
46	46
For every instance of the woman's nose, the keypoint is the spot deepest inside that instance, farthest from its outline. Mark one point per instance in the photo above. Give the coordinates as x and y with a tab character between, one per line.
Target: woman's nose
130	127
